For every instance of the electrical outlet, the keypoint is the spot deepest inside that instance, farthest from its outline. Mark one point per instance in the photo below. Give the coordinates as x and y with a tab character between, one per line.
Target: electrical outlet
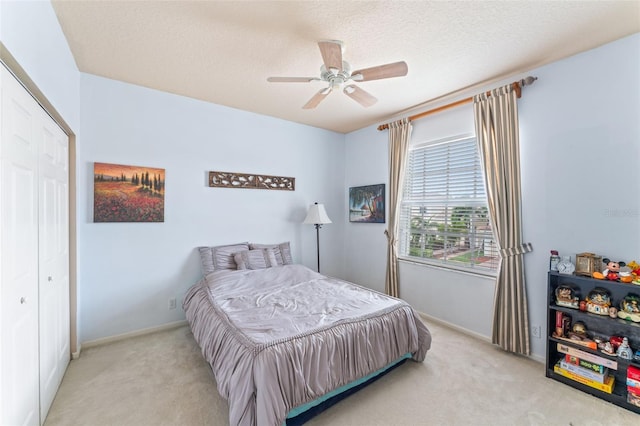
172	303
536	331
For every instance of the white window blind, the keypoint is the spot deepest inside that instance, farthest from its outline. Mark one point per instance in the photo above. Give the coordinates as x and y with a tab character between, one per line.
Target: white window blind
444	217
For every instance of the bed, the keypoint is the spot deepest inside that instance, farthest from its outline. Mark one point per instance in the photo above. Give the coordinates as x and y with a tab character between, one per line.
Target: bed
282	339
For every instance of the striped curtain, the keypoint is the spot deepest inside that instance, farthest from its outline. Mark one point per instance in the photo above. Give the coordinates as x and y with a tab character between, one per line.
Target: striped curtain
399	136
496	122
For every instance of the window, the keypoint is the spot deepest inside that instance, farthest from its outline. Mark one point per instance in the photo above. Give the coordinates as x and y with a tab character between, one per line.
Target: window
444	218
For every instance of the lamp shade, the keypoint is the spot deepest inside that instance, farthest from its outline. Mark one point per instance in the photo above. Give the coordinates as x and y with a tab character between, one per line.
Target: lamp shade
317	215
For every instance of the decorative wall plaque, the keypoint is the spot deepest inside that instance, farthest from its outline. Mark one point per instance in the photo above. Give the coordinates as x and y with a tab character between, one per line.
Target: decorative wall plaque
251	181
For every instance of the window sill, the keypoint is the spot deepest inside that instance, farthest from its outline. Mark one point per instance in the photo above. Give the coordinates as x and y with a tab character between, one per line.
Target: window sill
460	270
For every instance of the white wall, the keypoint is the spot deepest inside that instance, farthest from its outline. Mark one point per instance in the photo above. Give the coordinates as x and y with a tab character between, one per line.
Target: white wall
579	133
130	270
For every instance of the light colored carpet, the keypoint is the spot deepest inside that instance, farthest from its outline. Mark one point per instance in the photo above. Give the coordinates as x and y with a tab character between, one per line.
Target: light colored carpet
161	379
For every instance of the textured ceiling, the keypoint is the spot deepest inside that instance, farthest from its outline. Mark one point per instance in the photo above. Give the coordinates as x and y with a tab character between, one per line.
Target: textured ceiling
223	51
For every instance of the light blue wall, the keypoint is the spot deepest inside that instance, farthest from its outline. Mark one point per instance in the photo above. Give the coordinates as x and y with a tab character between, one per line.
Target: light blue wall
127	272
580	156
31	33
131	270
367	162
580	137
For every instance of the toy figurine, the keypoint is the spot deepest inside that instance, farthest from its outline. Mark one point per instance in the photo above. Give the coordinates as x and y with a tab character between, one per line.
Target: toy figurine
616	341
566	296
608	348
612	272
579	328
635	271
579	332
630	308
599	301
624	351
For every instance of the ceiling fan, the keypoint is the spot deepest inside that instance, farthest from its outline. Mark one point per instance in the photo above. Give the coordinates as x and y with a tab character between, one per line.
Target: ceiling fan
337	73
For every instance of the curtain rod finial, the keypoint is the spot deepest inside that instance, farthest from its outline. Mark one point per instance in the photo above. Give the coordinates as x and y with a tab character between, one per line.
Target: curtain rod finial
529	80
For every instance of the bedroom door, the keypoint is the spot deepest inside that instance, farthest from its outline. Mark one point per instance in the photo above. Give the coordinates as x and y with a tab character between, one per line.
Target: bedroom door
34	256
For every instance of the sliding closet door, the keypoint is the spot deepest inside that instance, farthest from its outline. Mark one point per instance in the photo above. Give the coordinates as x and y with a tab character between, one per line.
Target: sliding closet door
19	394
53	259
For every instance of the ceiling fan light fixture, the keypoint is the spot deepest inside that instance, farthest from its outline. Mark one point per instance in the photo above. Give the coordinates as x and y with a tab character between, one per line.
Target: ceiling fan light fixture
337	72
336	82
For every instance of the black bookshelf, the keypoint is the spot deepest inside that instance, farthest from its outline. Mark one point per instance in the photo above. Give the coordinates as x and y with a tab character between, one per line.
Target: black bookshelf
599	324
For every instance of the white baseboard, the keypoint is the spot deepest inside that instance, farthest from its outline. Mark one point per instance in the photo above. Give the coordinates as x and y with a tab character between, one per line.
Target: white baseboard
118	337
471	333
456	327
538	358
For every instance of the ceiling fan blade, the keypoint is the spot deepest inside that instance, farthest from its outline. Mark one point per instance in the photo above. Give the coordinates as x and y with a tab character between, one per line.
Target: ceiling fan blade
363	97
331	51
291	79
317	98
396	69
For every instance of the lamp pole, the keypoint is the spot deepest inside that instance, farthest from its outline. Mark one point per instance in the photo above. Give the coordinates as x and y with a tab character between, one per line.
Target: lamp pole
317	216
318	226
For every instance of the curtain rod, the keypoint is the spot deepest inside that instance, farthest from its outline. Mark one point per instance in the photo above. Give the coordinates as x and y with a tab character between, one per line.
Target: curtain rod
517	86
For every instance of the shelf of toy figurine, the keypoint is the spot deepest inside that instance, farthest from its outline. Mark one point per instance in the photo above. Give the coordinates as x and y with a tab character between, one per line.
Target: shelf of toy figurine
630	287
583	286
577	313
623	363
618	396
598	325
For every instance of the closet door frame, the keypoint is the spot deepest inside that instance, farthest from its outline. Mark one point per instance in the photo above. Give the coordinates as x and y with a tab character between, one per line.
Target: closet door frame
53	258
10	63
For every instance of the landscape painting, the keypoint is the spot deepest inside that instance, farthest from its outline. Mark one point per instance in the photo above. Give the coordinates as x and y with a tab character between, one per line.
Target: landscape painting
127	193
366	204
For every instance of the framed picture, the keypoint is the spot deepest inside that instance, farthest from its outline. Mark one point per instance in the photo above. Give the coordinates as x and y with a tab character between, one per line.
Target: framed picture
366	204
127	193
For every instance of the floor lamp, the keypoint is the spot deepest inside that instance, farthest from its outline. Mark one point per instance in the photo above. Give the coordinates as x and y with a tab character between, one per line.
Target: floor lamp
317	216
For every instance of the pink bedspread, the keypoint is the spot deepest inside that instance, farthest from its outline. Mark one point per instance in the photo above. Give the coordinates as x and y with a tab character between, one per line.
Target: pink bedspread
280	337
